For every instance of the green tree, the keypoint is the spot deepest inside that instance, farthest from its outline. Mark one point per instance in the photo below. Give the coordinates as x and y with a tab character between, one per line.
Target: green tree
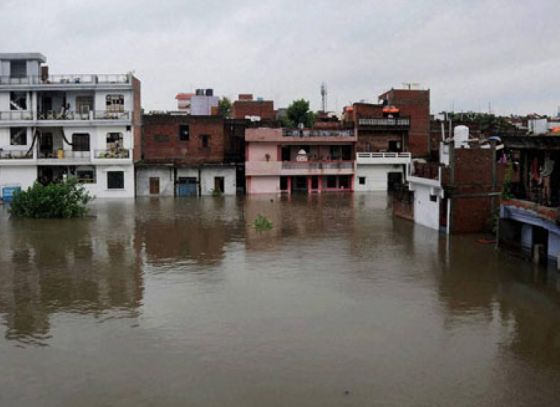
224	107
298	112
66	199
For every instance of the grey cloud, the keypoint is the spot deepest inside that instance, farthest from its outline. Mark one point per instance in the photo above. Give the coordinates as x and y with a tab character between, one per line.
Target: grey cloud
469	53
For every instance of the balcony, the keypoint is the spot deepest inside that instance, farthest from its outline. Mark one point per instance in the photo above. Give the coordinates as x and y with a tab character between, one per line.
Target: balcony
74	79
15	115
58	115
64	155
15	155
317	168
112	154
317	165
383	158
384	122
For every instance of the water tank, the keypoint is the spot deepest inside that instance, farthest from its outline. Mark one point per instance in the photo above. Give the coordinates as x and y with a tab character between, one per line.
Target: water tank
209	92
461	136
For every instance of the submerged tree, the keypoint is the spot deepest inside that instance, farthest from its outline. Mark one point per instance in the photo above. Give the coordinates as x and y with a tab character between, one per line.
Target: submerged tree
66	199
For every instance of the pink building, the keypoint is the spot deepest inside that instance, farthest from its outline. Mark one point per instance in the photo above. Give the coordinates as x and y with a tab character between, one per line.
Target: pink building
290	160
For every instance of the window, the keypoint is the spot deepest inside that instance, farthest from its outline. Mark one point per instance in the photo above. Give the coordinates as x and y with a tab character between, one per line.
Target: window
115	180
85	174
114	140
18	69
84	104
115	103
18	101
433	198
18	136
362	180
80	142
184	132
205	140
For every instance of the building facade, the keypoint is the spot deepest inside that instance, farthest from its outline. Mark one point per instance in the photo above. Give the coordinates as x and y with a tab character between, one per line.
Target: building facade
382	157
530	214
184	155
55	126
299	160
459	193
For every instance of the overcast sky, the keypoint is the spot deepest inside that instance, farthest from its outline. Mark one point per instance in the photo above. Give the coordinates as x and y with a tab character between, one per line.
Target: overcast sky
469	53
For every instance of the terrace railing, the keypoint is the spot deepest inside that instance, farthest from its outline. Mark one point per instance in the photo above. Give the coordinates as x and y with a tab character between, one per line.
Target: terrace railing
67	79
317	133
11	115
121	153
15	155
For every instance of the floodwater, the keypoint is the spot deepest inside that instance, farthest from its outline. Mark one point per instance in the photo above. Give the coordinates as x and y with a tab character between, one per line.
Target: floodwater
182	303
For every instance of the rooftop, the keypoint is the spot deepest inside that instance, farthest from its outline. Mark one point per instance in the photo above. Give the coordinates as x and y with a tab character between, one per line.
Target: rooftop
13	56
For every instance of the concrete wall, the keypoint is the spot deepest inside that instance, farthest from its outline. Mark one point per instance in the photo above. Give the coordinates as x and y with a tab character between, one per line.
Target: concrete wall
100	190
426	212
18	175
376	177
258	151
166	180
207	180
263	185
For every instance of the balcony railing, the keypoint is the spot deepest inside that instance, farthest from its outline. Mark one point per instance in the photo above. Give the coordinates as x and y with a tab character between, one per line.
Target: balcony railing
317	165
64	155
67	79
59	115
317	133
375	155
388	122
121	153
15	155
97	115
11	115
110	115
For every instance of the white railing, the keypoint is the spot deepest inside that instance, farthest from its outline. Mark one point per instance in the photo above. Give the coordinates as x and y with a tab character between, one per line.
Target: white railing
67	79
16	115
374	155
384	122
15	155
64	155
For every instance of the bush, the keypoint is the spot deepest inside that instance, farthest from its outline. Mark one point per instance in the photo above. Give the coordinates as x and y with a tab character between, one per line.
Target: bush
66	199
262	223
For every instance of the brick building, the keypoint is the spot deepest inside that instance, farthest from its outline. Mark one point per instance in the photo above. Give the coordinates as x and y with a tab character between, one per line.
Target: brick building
382	148
248	107
183	155
457	194
414	104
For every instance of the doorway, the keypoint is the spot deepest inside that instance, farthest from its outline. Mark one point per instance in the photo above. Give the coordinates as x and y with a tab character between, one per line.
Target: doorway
219	185
154	185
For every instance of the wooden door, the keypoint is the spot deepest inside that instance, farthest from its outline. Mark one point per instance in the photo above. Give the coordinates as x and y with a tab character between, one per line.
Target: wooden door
154	185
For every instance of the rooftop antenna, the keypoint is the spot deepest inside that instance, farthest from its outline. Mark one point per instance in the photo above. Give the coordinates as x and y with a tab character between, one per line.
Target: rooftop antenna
324	96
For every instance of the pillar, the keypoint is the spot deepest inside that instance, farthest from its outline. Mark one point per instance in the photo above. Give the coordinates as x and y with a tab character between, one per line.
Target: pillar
289	185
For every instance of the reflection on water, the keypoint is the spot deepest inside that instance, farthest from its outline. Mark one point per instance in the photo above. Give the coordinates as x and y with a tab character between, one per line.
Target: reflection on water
175	302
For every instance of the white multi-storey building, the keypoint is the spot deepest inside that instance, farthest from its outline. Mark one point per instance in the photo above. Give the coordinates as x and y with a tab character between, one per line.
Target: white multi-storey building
52	126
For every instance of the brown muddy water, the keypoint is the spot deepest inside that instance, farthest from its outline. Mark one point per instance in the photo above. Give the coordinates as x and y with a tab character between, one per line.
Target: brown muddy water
182	303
